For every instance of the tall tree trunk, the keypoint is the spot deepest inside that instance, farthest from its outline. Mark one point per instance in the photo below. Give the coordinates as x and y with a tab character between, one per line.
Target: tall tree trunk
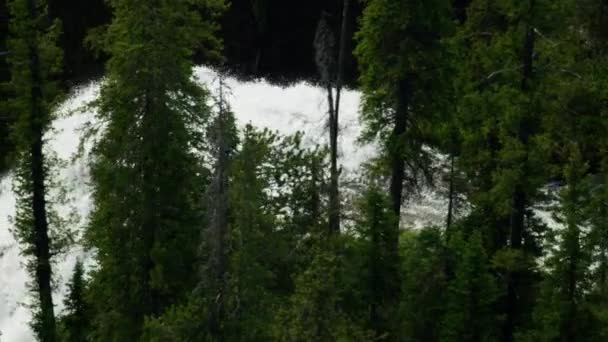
218	227
334	193
38	177
386	280
397	159
42	244
149	169
519	199
334	200
376	274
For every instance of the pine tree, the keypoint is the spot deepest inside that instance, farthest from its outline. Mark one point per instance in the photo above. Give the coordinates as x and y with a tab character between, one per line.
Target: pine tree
253	243
272	192
513	51
598	217
562	312
572	291
471	295
331	70
424	285
400	58
316	310
590	114
377	216
213	248
76	322
35	61
147	174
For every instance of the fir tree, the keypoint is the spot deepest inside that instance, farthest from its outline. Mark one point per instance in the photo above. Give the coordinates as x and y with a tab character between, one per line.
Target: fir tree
316	309
35	60
400	56
213	248
511	57
471	294
424	284
146	173
331	70
562	312
598	217
377	216
253	243
76	322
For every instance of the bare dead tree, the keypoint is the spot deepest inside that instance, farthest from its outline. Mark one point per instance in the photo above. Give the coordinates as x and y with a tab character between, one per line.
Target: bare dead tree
332	76
213	273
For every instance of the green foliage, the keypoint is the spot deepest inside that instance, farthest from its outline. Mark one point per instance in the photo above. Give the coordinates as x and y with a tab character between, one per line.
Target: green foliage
34	61
75	323
177	323
272	186
376	226
499	118
146	173
315	311
254	248
403	72
471	294
424	284
398	40
272	211
401	59
563	308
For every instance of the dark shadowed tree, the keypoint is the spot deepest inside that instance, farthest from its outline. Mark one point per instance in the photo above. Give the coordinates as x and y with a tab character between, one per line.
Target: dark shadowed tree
34	61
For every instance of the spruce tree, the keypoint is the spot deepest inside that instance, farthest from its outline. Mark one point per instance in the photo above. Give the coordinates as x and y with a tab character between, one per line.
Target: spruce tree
471	294
77	320
213	249
424	285
594	143
377	217
562	312
330	64
252	241
316	311
598	217
400	56
512	53
35	61
146	172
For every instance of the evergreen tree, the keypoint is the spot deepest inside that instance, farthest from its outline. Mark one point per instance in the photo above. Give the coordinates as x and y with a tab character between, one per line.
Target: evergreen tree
146	173
213	247
598	217
316	310
202	236
511	56
272	195
253	243
564	314
377	216
424	284
76	322
331	70
471	294
34	62
590	115
400	58
569	293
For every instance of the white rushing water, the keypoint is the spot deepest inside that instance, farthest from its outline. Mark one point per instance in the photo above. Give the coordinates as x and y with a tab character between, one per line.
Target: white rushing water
300	107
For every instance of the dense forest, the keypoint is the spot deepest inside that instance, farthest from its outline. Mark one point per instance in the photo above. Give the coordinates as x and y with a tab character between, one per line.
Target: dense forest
204	231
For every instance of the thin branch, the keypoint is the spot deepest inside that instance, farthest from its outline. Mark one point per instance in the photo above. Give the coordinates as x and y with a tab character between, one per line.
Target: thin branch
498	72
